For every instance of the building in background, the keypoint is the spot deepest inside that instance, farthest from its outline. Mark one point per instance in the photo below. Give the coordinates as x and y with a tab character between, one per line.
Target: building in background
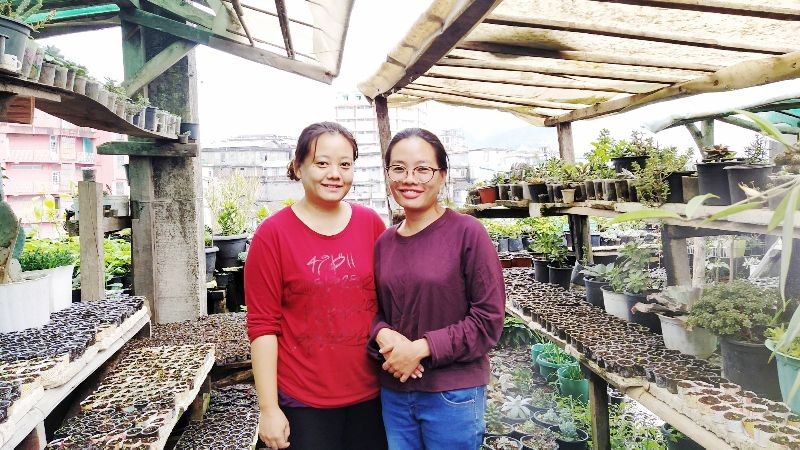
46	159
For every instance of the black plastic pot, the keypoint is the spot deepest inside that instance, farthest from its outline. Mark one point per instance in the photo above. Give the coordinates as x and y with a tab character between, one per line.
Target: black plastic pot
621	186
754	176
557	188
713	179
571	445
588	187
598	189
609	190
681	443
150	118
559	275
540	272
211	259
536	190
749	365
515	244
650	320
229	249
675	183
192	128
593	293
626	162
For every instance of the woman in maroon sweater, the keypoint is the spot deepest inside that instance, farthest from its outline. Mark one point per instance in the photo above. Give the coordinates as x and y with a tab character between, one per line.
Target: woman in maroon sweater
441	304
310	302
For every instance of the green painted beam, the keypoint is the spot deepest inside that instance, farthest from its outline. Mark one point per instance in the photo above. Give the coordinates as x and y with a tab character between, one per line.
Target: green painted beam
75	13
157	65
156	149
186	11
165	25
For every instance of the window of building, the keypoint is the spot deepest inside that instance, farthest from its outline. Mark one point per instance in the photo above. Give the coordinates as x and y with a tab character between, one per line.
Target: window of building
53	147
119	188
55	177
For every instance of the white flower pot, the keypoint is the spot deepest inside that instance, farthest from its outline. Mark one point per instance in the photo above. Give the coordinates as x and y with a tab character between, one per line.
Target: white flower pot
615	304
25	304
697	342
60	286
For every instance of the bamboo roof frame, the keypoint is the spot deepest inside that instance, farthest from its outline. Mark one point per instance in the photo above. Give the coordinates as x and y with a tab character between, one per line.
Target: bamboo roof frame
552	62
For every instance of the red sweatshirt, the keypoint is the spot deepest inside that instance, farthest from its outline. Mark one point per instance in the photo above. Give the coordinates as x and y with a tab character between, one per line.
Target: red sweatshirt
317	294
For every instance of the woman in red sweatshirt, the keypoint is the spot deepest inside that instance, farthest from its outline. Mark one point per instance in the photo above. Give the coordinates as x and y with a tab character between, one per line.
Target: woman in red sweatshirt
310	299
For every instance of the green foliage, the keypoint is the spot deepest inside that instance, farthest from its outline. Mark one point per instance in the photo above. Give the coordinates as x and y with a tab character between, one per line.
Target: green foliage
113	86
557	356
262	214
207	240
630	273
24	10
231	202
598	272
717	152
777	334
39	254
757	152
737	310
572	373
515	333
499	178
117	257
651	180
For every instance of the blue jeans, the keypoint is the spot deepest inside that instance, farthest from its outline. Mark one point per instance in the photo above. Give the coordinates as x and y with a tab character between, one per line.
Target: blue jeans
434	420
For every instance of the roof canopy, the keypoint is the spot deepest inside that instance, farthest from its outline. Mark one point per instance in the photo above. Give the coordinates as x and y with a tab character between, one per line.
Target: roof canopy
552	61
301	36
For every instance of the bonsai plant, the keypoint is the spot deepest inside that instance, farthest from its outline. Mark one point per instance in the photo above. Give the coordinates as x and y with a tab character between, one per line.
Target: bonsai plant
753	173
739	313
230	203
712	178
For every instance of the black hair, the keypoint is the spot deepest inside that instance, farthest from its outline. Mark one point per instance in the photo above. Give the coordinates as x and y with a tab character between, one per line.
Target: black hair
425	135
310	135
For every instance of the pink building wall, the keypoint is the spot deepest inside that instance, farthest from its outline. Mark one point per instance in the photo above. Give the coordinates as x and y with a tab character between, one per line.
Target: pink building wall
47	158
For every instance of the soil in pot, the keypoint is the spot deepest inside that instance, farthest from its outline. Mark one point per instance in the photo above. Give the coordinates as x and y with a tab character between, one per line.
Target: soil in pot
626	162
540	270
559	275
594	294
675	185
749	366
754	176
713	179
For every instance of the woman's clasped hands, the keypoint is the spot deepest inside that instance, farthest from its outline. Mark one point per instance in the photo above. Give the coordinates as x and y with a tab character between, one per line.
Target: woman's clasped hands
402	356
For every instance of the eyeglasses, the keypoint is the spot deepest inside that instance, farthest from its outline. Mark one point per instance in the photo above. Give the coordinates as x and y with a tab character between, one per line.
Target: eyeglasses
422	174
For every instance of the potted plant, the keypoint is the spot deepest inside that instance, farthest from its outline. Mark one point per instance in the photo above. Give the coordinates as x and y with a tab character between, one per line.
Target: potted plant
24	300
547	417
536	184
55	260
672	305
638	285
550	361
569	436
501	443
659	181
594	278
753	173
572	383
500	179
739	313
13	16
211	254
676	440
545	244
711	176
625	153
494	421
787	357
516	409
230	203
558	271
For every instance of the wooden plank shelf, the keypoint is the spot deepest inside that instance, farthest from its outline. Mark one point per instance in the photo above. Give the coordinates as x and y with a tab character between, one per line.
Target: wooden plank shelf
656	400
30	428
110	225
75	108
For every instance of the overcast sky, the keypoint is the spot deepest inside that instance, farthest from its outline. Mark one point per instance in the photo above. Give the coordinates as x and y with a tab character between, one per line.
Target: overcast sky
237	96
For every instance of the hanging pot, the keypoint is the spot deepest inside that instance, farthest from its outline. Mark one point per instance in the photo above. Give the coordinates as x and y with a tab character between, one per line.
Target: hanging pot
753	176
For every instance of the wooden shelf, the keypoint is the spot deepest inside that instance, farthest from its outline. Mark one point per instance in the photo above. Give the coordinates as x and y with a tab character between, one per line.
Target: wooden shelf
110	225
32	422
75	108
654	399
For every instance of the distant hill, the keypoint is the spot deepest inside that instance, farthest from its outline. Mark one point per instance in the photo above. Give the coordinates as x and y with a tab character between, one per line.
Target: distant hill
531	137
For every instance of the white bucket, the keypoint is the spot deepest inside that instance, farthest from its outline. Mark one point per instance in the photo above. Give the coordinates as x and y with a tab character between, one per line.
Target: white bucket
25	304
616	304
60	286
698	342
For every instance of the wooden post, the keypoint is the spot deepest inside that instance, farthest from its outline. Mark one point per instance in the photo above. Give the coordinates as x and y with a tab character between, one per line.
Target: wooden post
676	259
385	136
90	206
199	406
566	149
585	238
598	401
167	192
699	262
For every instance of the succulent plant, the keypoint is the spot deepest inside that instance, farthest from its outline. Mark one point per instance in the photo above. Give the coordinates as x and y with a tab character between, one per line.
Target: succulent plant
717	152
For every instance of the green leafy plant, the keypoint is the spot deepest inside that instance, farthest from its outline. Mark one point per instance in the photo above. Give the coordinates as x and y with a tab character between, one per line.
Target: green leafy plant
737	310
558	255
113	86
231	202
499	178
24	10
515	333
651	180
777	334
757	152
39	254
557	356
262	214
572	373
598	272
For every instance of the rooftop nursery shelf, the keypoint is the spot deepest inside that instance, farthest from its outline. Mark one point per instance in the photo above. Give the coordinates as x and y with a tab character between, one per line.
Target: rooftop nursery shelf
75	108
33	419
752	221
655	399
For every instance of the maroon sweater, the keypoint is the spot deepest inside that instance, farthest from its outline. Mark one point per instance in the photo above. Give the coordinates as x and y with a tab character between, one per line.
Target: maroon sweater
444	283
